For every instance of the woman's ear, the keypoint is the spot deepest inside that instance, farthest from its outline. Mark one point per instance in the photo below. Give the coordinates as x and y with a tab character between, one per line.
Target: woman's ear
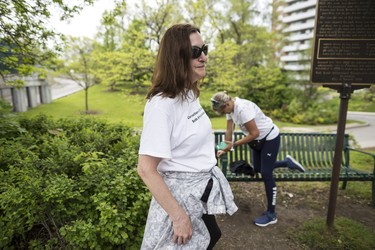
228	104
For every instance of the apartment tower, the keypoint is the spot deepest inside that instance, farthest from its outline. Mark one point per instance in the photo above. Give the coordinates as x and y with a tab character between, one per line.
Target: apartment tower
297	25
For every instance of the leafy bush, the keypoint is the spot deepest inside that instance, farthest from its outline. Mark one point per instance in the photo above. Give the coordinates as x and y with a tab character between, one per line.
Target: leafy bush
363	100
8	125
316	113
268	87
209	111
71	184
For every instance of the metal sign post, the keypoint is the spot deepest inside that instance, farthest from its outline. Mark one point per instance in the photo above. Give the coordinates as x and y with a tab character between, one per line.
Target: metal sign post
344	60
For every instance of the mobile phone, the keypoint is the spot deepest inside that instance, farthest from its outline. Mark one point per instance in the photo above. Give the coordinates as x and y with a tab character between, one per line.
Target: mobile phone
221	146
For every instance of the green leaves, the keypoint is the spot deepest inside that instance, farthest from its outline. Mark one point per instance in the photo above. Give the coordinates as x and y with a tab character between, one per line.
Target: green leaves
25	35
71	184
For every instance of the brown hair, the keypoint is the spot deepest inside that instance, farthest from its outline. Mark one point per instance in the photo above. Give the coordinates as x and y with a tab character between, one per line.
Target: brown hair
173	71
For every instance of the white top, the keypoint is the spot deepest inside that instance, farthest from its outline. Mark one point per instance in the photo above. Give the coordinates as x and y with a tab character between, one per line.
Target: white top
245	111
179	132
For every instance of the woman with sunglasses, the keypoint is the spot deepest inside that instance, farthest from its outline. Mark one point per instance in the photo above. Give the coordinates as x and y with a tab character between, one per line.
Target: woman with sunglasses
256	126
177	152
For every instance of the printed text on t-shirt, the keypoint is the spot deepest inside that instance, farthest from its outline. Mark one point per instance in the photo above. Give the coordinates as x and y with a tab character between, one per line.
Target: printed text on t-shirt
196	115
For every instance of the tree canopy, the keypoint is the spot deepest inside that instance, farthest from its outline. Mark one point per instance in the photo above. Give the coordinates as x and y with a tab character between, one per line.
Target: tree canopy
26	39
243	52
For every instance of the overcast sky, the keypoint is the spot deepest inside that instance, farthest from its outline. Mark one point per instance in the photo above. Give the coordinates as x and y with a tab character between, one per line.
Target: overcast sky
86	22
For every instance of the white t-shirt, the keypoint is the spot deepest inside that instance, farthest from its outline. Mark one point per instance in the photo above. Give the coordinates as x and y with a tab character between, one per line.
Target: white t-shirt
245	111
179	132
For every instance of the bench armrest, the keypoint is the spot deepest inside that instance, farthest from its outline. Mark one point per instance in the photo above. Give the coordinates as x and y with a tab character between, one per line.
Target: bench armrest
223	162
363	152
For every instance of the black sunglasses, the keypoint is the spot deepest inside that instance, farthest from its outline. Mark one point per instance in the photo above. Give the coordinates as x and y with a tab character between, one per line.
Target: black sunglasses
214	102
197	52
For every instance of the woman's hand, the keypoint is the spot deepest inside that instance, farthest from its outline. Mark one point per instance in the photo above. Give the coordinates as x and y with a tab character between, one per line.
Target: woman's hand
220	153
182	229
147	170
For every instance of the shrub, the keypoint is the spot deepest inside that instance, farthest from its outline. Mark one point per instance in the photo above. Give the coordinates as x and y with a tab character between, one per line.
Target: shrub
9	127
316	113
71	183
210	113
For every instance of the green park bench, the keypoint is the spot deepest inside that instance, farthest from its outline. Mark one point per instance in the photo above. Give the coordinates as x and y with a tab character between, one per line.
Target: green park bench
314	151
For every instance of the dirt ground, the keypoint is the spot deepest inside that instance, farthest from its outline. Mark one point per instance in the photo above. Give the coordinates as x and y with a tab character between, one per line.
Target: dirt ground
296	203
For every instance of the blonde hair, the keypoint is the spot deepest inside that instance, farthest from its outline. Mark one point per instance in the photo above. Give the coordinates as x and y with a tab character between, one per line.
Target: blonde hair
219	100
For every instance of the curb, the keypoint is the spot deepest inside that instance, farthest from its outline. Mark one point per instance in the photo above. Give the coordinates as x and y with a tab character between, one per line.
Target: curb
361	113
328	128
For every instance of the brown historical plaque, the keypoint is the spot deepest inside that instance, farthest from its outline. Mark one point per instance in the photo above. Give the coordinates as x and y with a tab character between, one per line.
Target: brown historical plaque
344	42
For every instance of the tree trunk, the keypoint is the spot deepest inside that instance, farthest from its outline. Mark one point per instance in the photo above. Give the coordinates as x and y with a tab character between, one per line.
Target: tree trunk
87	100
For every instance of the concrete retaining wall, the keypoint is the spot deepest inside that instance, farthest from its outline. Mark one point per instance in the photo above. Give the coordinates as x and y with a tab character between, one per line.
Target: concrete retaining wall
35	92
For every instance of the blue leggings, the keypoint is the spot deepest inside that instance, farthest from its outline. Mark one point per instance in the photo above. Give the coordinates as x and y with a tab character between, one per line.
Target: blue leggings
264	162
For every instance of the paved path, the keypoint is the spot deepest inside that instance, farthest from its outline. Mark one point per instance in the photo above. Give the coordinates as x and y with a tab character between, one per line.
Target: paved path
363	133
63	87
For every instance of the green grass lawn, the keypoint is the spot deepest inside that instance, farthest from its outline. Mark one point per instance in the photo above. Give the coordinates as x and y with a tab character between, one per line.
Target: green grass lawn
121	107
115	107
